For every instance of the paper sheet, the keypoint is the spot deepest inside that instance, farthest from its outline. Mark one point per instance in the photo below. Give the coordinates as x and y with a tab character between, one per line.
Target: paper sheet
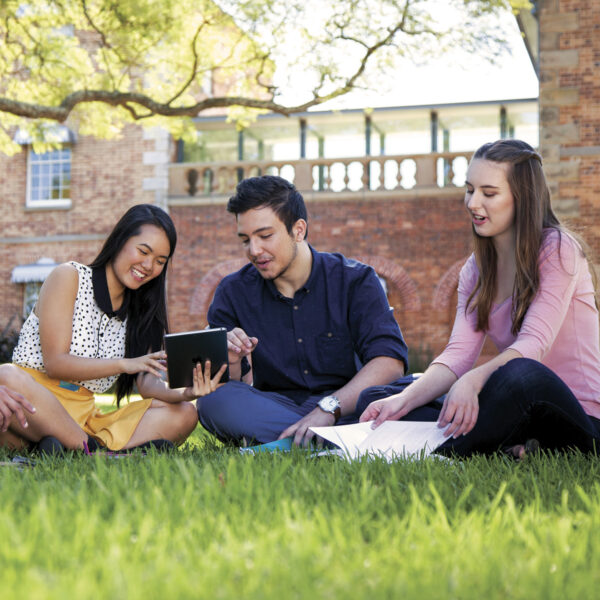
392	439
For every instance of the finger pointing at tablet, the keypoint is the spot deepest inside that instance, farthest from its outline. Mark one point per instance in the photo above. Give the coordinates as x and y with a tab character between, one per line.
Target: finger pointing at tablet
239	344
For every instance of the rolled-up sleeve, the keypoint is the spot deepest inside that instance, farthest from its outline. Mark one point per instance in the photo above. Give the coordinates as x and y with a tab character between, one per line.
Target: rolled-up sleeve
375	331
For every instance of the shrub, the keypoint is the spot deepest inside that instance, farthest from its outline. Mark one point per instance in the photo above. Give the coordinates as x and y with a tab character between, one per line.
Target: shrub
9	337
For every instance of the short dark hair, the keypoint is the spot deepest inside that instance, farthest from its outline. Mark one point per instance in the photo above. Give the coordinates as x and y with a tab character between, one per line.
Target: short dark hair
269	191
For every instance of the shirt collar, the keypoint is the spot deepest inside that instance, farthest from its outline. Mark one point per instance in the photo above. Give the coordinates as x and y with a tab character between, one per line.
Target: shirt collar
315	271
310	282
101	294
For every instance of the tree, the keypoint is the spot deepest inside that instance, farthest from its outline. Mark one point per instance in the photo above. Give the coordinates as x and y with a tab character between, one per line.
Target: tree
101	64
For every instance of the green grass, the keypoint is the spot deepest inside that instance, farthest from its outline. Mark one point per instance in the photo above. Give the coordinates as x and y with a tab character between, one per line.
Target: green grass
208	522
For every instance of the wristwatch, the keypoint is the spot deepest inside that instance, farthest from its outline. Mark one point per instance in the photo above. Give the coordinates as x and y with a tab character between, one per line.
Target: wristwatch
330	404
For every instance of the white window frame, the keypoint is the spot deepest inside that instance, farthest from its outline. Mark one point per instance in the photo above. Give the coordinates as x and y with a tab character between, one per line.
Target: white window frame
48	203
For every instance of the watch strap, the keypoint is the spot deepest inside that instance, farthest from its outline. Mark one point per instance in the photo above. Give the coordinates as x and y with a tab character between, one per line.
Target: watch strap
337	413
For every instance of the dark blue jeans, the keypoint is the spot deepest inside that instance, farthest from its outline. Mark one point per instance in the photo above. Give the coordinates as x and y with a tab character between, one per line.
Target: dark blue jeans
237	410
522	399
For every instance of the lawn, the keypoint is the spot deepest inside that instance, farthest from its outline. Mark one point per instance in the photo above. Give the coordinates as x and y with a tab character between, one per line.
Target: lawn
208	522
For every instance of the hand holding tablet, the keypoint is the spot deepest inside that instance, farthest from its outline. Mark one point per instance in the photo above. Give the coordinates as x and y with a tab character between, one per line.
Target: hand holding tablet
186	350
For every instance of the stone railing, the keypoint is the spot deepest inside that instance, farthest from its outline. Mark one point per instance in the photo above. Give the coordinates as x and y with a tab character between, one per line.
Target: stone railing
360	174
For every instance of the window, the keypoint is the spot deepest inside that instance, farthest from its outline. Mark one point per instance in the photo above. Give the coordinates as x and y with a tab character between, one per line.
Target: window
49	179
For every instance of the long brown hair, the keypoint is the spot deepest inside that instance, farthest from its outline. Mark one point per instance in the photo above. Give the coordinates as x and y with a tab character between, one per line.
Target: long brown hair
533	218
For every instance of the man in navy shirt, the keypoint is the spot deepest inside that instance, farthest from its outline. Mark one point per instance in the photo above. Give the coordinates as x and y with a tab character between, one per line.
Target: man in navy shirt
316	326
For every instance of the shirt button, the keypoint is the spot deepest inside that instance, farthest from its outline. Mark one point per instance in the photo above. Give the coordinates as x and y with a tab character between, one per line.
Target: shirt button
299	340
295	307
306	371
330	334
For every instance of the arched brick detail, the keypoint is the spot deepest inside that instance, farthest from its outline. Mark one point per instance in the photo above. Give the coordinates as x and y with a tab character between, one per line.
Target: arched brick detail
205	290
447	285
395	275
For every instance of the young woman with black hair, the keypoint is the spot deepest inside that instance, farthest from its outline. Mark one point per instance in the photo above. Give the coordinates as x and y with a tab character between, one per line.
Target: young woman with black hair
96	325
529	287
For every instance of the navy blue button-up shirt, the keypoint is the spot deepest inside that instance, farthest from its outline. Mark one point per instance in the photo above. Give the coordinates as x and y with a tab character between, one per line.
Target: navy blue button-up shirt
309	343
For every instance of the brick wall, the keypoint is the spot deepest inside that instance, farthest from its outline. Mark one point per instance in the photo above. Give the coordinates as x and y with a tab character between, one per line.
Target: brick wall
107	178
416	244
570	110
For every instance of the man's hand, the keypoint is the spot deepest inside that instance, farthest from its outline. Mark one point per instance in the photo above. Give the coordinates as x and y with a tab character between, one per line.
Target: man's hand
12	403
300	430
239	344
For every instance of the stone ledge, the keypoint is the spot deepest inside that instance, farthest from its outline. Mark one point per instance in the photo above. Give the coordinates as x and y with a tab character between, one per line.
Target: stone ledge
563	171
559	22
560	134
557	59
567	96
428	193
566	207
580	151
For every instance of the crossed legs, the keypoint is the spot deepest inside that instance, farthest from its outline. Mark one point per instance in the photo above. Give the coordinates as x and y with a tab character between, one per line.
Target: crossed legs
173	422
50	417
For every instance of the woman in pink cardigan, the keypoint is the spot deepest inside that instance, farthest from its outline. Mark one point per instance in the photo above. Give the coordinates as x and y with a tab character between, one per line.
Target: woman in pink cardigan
529	288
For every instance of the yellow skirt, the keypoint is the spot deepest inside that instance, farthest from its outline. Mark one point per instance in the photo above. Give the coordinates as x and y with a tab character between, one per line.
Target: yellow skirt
113	430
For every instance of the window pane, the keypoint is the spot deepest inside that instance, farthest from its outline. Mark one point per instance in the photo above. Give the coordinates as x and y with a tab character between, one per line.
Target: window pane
50	175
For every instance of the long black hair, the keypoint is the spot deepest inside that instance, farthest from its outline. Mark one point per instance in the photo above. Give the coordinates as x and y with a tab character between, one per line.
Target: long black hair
146	307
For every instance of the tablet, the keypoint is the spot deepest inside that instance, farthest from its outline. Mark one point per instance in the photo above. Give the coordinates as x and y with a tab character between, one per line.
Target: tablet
185	350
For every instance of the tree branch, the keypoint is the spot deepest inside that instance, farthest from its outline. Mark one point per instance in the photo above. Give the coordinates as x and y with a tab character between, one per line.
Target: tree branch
194	69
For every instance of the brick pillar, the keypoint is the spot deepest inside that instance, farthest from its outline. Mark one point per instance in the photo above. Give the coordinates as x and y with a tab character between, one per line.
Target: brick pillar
570	108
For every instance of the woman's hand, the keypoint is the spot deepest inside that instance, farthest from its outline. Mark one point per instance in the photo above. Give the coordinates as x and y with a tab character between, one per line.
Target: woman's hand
13	403
386	409
203	384
461	406
149	363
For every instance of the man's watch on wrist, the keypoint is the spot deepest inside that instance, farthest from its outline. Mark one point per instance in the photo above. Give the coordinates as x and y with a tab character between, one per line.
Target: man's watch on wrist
331	404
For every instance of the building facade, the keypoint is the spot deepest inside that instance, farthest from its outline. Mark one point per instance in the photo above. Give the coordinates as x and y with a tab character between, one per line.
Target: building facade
398	208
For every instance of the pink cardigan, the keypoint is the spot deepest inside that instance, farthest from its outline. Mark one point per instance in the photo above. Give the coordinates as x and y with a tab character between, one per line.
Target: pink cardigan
560	329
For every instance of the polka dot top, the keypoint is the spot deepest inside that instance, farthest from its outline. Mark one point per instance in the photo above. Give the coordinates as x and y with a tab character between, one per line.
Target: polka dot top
95	334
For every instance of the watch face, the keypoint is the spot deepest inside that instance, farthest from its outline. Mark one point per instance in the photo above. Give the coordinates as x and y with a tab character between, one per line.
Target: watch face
329	403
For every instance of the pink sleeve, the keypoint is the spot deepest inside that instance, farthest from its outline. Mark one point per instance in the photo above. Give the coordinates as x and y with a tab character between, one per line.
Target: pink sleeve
559	273
465	342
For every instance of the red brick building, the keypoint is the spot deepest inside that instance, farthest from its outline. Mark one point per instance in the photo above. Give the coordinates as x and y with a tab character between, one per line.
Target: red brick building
415	235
